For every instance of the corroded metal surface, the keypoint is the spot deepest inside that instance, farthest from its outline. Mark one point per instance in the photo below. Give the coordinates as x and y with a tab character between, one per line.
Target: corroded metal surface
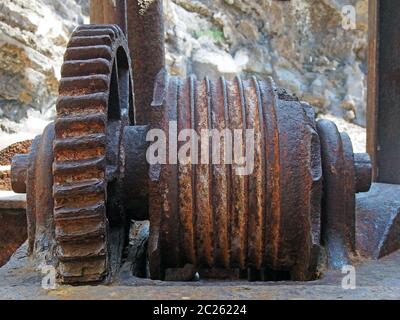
19	165
338	218
32	173
13	231
72	175
92	111
134	172
146	44
383	117
345	174
109	12
378	221
363	171
206	213
39	183
210	216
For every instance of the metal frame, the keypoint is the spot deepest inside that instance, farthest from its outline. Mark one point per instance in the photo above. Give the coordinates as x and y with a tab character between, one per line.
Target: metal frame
145	33
383	110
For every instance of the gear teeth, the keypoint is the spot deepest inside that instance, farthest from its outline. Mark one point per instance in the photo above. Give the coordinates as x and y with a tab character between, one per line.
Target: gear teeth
82	105
82	271
76	189
76	86
76	214
79	68
85	230
79	166
112	27
82	125
79	143
95	32
88	52
74	251
90	41
98	26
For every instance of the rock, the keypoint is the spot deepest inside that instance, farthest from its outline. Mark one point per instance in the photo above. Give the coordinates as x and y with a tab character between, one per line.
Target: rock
242	58
26	129
302	45
33	36
320	93
356	92
291	80
362	15
254	60
214	64
349	116
249	31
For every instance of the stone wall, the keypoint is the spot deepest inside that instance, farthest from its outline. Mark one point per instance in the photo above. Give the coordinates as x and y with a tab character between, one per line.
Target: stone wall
33	36
300	43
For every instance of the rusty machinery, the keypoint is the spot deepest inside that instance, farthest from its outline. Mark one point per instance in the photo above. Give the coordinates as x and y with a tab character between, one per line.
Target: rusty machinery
87	175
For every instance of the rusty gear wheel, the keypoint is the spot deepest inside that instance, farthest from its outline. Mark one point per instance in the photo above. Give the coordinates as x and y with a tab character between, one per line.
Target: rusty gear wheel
95	104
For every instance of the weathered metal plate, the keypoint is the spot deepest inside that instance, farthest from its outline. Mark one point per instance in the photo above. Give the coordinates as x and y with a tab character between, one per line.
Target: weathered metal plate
378	221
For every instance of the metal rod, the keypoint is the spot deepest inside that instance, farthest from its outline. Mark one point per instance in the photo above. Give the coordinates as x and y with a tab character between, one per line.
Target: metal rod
384	90
108	12
372	85
146	43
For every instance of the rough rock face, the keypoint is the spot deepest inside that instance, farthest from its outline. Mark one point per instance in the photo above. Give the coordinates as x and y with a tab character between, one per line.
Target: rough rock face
302	44
33	36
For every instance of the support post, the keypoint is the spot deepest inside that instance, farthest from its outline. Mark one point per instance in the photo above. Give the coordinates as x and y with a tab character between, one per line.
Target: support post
146	43
383	121
108	12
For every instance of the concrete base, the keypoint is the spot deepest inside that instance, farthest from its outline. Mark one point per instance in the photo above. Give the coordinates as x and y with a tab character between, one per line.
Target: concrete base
374	280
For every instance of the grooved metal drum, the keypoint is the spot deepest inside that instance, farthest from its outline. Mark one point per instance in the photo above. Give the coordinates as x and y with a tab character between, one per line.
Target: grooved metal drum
258	206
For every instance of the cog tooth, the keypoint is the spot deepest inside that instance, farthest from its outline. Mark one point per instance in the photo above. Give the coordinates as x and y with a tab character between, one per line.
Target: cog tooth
75	251
63	168
68	127
76	41
95	32
80	230
77	86
80	143
79	68
87	53
112	27
75	189
88	233
82	105
70	120
82	272
76	214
